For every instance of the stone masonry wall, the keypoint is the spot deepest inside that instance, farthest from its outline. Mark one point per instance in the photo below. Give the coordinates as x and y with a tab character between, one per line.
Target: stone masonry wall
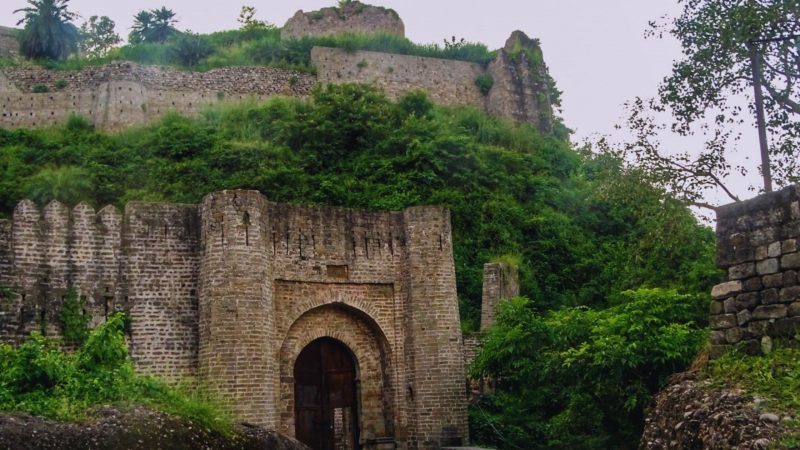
119	95
354	17
124	94
757	246
9	47
448	82
500	281
142	262
233	289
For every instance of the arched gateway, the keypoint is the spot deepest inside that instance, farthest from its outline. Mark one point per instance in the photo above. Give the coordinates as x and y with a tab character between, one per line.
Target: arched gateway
248	295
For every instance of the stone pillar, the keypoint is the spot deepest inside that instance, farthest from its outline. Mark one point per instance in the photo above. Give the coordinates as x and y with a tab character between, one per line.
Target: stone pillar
237	358
757	246
500	281
437	389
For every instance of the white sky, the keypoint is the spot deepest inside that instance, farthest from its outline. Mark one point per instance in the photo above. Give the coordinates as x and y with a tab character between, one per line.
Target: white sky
595	50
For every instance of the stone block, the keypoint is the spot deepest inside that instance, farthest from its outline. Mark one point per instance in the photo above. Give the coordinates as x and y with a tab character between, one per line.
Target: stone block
791	261
774	249
790	294
773	281
733	335
767	312
789	246
752	284
758	328
729	306
770	296
747	300
752	347
717	337
794	309
767	266
716	307
742	271
726	289
789	278
743	317
784	327
794	210
761	252
763	236
722	321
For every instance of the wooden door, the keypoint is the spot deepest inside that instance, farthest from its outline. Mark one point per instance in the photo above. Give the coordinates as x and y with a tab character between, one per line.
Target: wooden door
325	396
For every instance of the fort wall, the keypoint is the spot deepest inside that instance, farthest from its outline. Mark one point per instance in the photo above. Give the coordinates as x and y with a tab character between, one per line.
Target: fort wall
124	94
232	290
448	82
118	95
757	246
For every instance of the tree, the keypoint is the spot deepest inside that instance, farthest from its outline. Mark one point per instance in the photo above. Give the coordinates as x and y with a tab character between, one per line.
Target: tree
154	26
67	184
188	49
721	39
248	21
48	31
98	36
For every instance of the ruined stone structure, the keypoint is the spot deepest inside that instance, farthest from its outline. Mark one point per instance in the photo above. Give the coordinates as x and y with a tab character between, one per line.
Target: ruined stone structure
353	17
757	246
8	42
124	94
500	281
236	290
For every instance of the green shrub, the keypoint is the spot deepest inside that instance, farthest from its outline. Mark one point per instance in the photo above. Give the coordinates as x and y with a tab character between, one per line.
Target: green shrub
61	84
188	49
581	377
484	83
38	378
74	318
40	89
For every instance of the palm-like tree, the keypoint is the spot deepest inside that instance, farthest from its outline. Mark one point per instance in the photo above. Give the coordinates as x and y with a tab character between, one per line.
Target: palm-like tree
48	31
154	26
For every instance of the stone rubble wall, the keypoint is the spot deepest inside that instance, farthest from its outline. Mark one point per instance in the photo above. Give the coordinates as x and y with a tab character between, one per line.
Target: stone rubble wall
447	82
119	95
757	246
354	17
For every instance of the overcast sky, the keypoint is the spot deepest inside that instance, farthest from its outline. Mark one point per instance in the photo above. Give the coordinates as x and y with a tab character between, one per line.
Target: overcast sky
595	50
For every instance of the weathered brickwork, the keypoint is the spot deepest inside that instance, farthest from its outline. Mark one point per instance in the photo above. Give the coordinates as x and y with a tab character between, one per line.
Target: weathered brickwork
353	17
448	82
124	94
232	290
757	246
500	281
9	46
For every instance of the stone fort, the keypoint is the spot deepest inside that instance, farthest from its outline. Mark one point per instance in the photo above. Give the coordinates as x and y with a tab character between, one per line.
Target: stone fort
122	94
260	301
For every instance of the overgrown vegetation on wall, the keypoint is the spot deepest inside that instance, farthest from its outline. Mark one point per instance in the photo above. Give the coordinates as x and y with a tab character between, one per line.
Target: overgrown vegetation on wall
39	378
